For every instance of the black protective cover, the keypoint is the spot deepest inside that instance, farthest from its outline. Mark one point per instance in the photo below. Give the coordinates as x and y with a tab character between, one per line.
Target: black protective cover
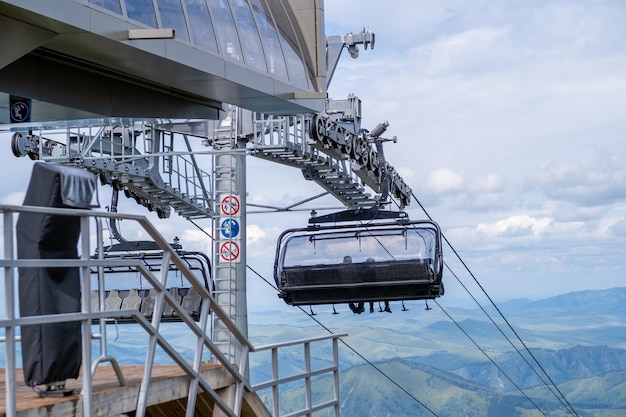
51	352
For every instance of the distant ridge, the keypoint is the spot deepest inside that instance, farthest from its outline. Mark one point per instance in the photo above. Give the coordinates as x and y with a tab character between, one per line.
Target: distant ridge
607	301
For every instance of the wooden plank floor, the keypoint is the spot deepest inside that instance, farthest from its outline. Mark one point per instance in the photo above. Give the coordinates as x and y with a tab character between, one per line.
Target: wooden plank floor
168	383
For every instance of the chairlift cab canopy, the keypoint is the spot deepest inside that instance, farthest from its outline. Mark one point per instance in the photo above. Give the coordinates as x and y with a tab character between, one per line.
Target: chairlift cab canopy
358	258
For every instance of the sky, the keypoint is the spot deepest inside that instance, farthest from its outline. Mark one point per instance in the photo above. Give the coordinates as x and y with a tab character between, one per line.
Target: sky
510	125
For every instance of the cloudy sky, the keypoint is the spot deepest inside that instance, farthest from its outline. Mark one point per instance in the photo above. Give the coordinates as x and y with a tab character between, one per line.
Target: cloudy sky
510	119
510	126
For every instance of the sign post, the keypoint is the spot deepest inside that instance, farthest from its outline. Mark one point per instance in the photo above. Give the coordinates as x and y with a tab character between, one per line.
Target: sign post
229	232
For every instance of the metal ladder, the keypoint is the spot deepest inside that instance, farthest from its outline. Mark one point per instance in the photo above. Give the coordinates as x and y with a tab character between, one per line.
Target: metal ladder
223	140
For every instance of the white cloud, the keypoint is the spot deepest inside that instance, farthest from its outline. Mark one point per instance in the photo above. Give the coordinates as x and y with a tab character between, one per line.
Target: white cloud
488	184
195	239
516	231
261	241
444	180
468	51
515	226
589	180
619	227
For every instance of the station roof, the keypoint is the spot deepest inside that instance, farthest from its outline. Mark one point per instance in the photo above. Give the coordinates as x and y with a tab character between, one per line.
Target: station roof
163	58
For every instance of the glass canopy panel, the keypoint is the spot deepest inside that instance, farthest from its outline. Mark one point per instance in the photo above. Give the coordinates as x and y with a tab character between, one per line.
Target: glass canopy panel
142	11
269	41
249	35
273	51
295	63
360	246
297	72
112	5
228	40
202	31
172	17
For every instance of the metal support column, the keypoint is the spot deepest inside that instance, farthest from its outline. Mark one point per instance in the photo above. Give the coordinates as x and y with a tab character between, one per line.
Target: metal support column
229	232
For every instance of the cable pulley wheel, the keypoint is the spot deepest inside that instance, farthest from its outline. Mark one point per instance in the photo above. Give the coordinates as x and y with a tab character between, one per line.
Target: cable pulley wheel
320	128
343	139
354	151
19	145
373	163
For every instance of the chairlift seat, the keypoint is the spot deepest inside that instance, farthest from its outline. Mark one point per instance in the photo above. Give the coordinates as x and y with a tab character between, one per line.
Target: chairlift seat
407	280
144	299
112	301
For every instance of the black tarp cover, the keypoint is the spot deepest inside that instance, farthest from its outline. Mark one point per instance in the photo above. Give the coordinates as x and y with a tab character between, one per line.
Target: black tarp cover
52	352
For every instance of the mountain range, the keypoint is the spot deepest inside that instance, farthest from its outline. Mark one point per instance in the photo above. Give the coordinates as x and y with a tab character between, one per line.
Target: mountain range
522	358
558	356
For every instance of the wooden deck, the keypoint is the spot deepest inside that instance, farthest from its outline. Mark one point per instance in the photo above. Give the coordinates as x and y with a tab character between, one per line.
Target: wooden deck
167	395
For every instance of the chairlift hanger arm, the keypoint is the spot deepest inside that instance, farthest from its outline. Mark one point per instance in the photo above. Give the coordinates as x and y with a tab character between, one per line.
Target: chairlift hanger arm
357	215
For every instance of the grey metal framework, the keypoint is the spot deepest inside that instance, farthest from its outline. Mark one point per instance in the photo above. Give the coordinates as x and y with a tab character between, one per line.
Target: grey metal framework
137	157
9	264
159	163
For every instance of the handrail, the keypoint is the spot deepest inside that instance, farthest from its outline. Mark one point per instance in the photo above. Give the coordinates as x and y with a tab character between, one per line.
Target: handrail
273	383
298	342
86	316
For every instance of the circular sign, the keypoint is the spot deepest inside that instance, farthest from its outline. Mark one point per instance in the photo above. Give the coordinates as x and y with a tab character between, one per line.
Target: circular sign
230	205
230	228
229	251
20	111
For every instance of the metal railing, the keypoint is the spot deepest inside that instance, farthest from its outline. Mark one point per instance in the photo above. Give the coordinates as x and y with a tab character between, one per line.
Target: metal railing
87	316
306	375
11	322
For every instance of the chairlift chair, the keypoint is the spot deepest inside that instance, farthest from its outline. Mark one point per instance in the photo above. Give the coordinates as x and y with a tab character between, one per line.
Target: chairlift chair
131	294
125	286
359	256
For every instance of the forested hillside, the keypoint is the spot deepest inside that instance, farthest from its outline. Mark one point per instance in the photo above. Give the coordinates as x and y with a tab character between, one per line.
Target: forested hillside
409	388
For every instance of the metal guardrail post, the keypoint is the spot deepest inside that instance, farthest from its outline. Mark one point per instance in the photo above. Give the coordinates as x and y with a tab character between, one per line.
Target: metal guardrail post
88	307
307	378
9	290
142	402
86	323
275	392
336	373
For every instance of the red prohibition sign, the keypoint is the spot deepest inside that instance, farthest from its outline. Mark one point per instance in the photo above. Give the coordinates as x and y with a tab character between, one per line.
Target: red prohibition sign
230	205
229	251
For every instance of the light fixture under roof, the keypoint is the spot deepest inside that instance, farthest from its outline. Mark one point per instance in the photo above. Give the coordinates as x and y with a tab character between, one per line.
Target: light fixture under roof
150	34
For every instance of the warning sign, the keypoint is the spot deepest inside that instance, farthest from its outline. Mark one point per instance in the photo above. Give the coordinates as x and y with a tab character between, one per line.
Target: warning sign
230	205
229	251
